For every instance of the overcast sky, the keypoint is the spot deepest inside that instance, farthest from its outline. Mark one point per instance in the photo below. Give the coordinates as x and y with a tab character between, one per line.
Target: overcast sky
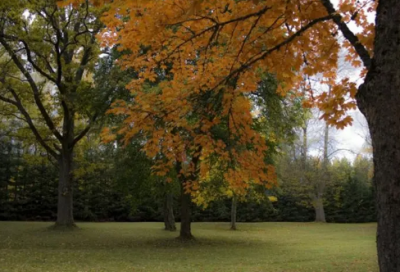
352	138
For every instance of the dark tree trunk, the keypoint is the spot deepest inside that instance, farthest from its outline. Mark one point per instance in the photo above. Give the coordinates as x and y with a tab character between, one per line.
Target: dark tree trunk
186	201
169	219
319	210
379	100
65	216
233	213
186	198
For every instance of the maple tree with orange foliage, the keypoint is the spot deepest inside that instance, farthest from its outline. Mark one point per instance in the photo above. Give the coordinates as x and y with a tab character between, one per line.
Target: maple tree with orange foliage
231	42
215	53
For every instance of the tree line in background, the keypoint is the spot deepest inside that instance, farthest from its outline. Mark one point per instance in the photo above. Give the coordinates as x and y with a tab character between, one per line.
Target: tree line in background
116	184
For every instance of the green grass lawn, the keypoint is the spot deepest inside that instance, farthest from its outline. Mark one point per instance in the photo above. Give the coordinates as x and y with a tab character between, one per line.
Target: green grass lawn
146	247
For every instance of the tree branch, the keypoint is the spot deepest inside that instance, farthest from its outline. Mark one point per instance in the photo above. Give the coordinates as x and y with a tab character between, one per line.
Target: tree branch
265	53
37	68
17	103
35	89
348	34
85	131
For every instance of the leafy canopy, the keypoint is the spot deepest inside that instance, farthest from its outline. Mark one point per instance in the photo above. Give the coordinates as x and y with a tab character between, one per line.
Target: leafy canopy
212	55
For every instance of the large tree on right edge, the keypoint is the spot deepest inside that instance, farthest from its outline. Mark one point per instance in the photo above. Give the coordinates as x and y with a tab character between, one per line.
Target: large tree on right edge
379	100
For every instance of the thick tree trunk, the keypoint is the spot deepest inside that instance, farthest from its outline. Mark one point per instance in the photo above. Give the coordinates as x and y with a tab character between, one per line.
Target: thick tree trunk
65	216
379	100
186	201
233	213
169	219
186	198
319	210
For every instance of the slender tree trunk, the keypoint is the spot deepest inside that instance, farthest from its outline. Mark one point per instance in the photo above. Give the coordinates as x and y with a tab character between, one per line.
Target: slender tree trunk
304	148
169	219
319	199
326	143
186	220
319	210
233	212
379	100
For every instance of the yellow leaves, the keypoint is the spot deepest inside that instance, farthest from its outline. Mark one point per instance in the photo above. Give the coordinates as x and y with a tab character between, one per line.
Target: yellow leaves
272	199
199	200
229	193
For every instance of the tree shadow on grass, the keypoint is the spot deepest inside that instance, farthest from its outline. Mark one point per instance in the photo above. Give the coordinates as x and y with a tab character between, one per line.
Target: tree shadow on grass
82	239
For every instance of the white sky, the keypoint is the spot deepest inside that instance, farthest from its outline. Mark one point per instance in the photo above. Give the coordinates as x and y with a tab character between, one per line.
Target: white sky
351	138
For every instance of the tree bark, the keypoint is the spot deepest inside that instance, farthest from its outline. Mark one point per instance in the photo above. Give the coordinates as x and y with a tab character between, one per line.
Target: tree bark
169	219
233	212
186	220
186	198
65	218
319	210
304	147
321	184
379	100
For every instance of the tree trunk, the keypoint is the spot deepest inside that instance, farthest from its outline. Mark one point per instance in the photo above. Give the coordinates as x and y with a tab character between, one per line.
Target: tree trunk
304	147
319	210
379	100
65	218
186	201
321	184
169	219
233	212
186	198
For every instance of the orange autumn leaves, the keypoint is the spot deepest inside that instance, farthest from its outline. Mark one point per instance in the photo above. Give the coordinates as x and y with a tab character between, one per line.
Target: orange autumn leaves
178	128
231	39
221	49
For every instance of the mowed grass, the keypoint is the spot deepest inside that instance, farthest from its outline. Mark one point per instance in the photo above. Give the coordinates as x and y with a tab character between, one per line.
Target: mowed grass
30	246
